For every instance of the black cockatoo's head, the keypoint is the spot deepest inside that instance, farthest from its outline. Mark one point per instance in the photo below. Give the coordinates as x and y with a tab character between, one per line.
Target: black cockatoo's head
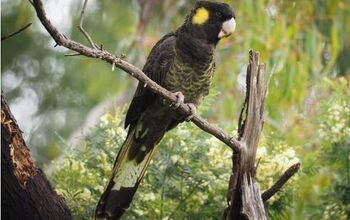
211	21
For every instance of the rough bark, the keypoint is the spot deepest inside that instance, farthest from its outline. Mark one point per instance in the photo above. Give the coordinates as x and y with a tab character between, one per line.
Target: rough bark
244	199
135	72
25	191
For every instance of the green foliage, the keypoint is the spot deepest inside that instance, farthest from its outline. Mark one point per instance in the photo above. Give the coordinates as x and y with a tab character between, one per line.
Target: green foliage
80	177
335	132
305	44
187	179
335	112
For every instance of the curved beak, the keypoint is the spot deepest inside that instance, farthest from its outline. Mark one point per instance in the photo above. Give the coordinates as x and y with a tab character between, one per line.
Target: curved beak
228	27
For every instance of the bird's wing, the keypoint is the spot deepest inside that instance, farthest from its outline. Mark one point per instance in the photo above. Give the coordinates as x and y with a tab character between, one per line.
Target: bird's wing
157	65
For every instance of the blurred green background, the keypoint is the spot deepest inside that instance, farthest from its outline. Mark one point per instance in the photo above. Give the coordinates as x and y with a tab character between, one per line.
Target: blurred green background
58	102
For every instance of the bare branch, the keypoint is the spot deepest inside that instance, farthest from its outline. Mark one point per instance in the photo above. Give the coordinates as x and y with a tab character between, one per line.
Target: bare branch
72	54
250	125
245	200
80	26
61	40
16	32
280	182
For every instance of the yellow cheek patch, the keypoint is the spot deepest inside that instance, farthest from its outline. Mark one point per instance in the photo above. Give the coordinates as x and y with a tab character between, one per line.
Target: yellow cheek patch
201	16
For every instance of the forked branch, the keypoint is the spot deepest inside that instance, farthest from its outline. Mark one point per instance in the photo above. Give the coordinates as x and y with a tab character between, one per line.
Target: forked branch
118	62
242	180
80	26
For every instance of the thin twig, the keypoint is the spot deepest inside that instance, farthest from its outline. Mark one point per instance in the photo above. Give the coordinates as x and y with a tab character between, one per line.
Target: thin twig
280	182
80	26
61	40
72	54
236	145
16	32
257	165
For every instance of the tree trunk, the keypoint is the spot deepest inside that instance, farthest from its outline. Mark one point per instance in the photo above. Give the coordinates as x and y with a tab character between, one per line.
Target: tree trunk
244	197
26	193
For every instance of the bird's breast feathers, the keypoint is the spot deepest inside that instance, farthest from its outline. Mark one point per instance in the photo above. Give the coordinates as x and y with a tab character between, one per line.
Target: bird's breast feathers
193	81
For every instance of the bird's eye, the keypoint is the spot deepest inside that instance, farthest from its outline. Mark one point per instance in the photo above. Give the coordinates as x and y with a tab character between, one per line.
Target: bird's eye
218	14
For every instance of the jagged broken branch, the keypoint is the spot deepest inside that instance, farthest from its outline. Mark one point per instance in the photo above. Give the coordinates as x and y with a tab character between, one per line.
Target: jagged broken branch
100	53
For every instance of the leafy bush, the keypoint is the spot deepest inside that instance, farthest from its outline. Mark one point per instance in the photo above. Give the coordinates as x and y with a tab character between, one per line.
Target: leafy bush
187	179
334	130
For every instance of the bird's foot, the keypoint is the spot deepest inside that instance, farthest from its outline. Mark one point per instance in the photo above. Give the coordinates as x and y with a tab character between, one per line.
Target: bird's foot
193	111
180	98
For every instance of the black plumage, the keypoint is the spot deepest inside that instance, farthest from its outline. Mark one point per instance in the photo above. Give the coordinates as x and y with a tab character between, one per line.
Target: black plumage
182	61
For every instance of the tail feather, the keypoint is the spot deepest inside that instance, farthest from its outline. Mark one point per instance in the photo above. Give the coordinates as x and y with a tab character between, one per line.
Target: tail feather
126	176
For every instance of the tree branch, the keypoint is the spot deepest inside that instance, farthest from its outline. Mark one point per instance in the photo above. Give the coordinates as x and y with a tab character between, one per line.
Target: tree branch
15	32
280	182
80	26
61	40
244	199
243	187
72	54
